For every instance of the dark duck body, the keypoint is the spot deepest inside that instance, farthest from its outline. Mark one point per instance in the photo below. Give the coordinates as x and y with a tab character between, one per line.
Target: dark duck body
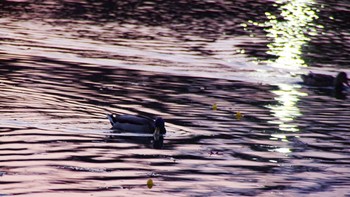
322	80
137	124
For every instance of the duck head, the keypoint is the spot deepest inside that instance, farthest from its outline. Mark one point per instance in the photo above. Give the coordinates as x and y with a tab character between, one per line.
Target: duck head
159	125
340	79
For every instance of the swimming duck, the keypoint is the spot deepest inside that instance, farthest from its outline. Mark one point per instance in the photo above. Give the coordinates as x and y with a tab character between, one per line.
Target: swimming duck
137	124
322	80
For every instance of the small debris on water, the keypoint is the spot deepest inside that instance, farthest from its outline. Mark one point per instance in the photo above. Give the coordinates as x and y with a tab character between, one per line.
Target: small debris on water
215	107
150	183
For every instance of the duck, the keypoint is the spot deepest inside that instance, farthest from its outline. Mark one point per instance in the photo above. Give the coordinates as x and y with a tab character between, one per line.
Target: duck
137	124
322	80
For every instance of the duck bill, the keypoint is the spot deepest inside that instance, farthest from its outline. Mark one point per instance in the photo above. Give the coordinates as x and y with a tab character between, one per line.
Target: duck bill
156	131
347	82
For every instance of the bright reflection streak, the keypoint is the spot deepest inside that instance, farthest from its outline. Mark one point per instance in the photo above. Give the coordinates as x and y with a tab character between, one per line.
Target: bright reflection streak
286	111
282	150
278	137
289	36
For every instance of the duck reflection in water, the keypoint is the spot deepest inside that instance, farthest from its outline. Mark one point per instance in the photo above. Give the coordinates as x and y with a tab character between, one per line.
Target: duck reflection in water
140	125
323	81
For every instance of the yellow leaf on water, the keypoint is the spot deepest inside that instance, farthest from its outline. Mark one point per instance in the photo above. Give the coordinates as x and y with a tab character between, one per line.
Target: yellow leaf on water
239	115
215	106
150	183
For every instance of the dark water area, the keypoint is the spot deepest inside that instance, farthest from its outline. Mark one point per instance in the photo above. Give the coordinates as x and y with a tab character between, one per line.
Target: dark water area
65	65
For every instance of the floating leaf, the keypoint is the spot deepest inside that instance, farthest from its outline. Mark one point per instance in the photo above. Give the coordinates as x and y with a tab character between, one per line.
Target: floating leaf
215	106
150	183
239	115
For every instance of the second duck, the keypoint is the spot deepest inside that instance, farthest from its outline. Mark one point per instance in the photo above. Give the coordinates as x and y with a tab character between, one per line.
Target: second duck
137	124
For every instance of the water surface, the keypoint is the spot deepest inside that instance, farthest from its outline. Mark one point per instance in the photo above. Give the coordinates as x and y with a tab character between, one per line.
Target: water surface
65	65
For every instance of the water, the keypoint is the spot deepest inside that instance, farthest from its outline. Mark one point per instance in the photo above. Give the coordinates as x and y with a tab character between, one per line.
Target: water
65	65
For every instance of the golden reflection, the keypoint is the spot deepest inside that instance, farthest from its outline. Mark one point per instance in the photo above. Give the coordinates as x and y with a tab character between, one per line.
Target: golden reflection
286	110
280	137
289	34
282	150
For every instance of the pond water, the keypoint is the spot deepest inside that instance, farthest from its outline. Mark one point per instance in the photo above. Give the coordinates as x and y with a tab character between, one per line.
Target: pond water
65	65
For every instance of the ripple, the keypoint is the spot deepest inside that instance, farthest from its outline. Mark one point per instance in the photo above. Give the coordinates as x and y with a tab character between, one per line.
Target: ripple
60	77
